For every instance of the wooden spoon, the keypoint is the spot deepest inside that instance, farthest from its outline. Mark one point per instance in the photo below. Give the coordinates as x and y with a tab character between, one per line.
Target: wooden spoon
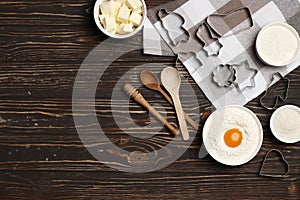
171	80
151	81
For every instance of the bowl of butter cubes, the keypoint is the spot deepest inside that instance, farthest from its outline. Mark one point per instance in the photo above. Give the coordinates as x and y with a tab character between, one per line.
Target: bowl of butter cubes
120	18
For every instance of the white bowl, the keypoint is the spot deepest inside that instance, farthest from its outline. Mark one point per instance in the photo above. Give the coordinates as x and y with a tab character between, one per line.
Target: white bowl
259	43
214	130
276	133
118	36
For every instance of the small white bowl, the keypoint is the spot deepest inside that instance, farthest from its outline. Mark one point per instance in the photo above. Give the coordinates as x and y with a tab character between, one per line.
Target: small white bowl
275	132
263	39
118	36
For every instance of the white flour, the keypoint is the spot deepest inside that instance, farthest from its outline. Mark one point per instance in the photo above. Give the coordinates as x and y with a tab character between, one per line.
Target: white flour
229	118
287	123
277	45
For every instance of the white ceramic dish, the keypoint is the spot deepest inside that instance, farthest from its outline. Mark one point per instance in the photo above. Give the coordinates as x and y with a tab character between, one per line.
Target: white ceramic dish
214	142
118	36
271	42
276	133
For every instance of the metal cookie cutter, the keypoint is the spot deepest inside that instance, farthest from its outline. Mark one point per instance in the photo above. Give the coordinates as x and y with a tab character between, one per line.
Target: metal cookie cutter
275	175
209	34
235	74
224	75
211	44
192	56
278	97
177	61
175	30
242	73
228	14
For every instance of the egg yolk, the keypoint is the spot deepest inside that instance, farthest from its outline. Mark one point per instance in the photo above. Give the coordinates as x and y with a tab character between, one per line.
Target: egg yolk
233	137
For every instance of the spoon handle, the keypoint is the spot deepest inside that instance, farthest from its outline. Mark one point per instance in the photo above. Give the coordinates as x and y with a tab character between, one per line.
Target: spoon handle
187	117
136	96
180	116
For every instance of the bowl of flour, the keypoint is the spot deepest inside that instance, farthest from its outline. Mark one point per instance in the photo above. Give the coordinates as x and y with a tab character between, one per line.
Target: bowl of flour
278	44
285	124
233	135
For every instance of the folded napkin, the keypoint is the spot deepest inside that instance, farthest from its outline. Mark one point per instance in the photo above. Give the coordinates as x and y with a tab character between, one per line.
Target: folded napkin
238	46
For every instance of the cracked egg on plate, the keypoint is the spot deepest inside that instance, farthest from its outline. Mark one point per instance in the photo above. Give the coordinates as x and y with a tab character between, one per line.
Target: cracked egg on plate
233	135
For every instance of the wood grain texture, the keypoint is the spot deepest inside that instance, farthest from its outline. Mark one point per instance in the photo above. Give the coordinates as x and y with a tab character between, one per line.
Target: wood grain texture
42	45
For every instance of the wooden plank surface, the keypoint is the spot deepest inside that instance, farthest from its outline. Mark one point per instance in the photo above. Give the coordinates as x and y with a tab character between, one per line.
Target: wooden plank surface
43	44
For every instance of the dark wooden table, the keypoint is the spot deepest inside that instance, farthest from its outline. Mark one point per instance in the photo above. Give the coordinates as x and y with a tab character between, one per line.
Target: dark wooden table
43	44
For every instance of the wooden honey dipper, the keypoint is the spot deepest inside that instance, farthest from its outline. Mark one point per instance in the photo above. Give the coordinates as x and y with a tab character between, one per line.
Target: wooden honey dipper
136	96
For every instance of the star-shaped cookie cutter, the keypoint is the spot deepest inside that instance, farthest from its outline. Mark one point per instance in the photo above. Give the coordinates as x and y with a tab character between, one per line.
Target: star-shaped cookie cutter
202	36
228	74
213	33
278	97
251	78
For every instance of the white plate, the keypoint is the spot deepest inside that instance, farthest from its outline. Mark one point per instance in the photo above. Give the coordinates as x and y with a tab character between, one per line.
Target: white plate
273	129
118	36
224	119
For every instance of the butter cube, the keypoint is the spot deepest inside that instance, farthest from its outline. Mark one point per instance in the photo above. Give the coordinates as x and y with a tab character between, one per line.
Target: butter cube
134	4
121	1
125	28
105	8
139	11
110	24
123	14
135	18
118	28
101	18
114	8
